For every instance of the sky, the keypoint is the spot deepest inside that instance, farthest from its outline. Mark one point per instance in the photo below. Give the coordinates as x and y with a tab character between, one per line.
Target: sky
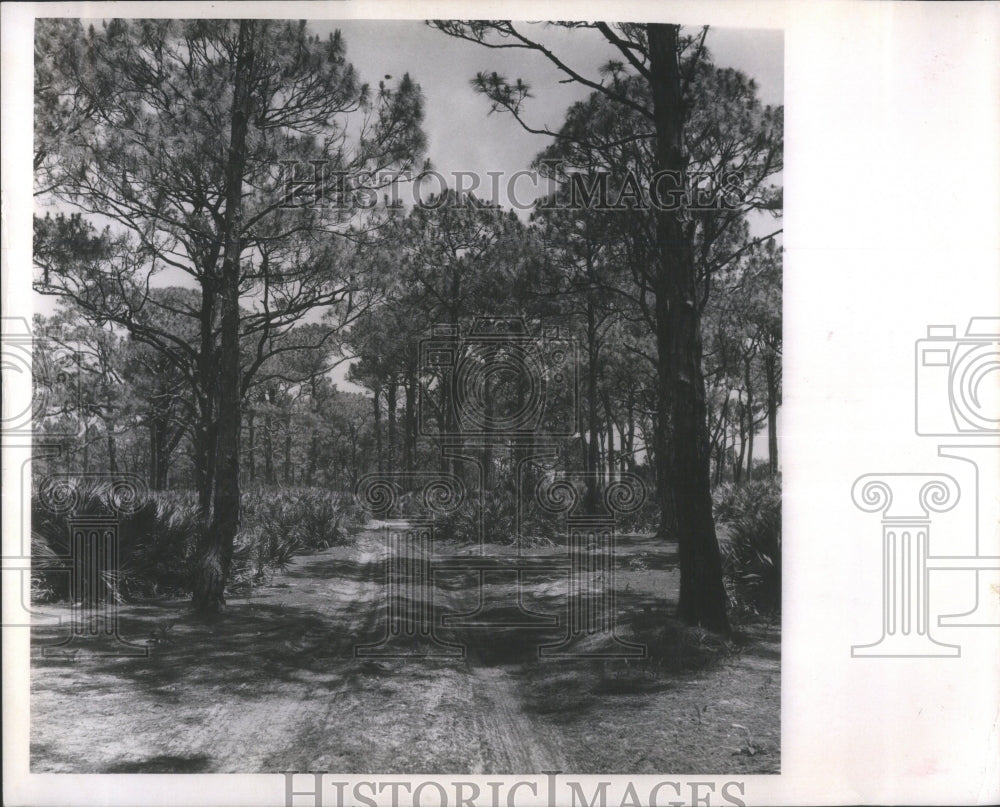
462	136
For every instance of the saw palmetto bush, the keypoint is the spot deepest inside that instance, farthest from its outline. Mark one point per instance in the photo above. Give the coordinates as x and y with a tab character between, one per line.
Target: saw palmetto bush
749	519
157	539
499	524
278	524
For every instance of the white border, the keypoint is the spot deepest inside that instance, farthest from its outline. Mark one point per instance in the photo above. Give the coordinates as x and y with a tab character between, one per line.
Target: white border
892	223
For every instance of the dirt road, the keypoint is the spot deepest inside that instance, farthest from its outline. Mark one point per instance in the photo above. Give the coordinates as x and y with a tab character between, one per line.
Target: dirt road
275	685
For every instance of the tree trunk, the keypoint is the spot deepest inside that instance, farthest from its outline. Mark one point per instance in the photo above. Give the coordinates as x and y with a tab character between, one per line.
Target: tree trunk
702	595
444	421
160	447
112	452
287	475
269	476
204	433
312	460
772	412
378	429
251	447
629	436
609	417
86	449
592	457
738	461
750	424
390	401
204	461
154	453
722	441
355	472
410	416
216	550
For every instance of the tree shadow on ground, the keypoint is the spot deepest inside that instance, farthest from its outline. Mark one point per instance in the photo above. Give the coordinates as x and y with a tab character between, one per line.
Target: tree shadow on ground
251	646
198	763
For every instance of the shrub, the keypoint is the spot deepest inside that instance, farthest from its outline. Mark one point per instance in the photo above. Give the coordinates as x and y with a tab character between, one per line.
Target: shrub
749	517
645	518
278	524
155	545
499	522
157	541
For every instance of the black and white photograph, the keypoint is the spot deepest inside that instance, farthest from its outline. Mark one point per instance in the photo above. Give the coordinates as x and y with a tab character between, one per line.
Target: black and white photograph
401	408
431	366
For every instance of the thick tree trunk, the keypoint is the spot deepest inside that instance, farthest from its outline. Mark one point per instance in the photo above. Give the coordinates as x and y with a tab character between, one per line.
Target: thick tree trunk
204	463
216	550
702	595
204	432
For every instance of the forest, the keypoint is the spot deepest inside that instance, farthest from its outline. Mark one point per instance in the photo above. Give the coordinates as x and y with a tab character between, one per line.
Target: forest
316	413
250	355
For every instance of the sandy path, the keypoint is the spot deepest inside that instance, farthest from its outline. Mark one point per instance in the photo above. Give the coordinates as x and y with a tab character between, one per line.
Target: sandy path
267	689
275	685
520	743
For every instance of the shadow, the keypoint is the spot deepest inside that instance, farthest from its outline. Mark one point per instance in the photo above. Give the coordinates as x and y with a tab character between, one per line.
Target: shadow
161	764
505	646
631	682
247	652
342	568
